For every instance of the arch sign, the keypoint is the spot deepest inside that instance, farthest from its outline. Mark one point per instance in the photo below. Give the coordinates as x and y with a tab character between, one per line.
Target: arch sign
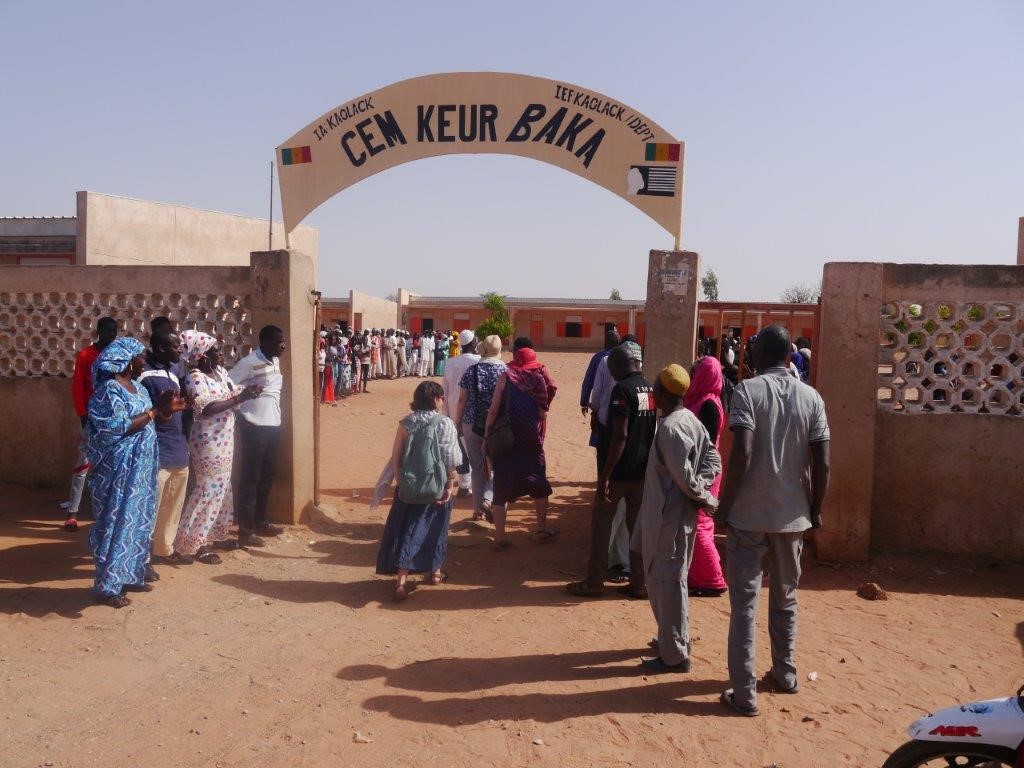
582	131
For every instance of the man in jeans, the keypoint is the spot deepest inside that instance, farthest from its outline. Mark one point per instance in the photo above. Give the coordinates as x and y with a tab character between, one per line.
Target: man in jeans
260	431
774	490
158	376
81	392
632	421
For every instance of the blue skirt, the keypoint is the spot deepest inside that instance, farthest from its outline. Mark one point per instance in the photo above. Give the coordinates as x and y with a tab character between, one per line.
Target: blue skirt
415	538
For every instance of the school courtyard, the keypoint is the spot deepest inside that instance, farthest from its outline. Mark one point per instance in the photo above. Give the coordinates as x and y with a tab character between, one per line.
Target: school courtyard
295	655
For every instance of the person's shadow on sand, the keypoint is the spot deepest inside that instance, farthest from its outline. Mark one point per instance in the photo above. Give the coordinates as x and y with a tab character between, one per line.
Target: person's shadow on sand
453	675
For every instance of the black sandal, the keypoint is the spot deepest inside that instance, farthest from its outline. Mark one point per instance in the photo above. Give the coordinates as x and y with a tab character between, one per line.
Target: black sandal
209	558
114	601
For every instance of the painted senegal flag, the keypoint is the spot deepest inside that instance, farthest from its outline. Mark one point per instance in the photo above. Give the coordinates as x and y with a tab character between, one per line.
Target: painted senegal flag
296	155
662	153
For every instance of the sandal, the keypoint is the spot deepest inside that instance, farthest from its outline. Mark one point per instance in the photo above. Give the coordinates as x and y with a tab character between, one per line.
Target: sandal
774	686
501	546
209	558
71	524
438	578
727	699
635	594
114	601
548	532
401	593
583	589
144	587
486	507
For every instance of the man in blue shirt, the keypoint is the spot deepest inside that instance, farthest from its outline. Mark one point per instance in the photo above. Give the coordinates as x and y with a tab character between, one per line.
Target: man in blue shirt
611	340
157	377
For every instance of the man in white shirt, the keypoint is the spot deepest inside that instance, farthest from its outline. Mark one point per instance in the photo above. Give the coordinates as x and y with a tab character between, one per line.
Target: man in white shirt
260	431
457	366
427	354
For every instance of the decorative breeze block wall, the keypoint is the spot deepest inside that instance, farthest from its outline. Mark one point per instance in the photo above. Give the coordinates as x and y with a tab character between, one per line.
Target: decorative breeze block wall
40	333
952	357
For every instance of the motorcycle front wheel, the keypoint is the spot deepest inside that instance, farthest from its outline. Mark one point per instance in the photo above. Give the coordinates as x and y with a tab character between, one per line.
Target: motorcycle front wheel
915	754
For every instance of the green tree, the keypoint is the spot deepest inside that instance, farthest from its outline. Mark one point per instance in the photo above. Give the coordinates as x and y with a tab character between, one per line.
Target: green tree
709	284
615	295
497	324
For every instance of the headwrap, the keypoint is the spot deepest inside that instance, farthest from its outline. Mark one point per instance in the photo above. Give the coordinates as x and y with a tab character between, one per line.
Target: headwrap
526	359
675	379
195	344
529	375
707	382
634	351
114	358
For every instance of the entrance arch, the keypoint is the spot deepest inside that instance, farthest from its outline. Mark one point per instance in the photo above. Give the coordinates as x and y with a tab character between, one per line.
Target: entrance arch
577	129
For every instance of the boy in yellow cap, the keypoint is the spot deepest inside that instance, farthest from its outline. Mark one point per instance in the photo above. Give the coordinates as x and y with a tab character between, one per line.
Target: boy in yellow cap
682	466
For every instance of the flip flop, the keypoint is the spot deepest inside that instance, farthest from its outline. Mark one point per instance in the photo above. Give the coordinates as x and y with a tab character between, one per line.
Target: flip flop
774	686
71	524
727	699
582	589
548	533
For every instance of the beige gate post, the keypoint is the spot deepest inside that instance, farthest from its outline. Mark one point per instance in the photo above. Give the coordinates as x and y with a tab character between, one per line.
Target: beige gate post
671	312
282	286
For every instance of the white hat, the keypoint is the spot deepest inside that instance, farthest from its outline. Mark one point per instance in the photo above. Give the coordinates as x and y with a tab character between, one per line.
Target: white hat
466	337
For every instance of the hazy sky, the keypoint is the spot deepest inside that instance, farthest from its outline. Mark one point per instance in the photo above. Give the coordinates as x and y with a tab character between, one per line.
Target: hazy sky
815	131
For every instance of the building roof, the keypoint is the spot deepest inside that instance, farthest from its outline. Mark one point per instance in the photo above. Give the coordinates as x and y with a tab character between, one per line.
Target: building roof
522	301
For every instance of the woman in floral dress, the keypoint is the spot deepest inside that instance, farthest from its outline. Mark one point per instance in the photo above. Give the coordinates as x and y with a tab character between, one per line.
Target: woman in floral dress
208	512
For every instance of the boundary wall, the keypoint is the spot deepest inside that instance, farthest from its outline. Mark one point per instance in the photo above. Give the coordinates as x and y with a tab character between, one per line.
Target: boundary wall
922	371
48	313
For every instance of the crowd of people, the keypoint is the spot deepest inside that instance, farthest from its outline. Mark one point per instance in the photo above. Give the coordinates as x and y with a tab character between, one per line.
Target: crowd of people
349	359
157	449
659	485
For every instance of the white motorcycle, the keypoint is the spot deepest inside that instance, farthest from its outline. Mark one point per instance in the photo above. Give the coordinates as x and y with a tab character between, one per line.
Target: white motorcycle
986	734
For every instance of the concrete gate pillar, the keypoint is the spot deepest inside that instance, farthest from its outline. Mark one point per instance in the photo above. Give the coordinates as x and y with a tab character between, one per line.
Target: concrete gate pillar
671	312
847	363
282	282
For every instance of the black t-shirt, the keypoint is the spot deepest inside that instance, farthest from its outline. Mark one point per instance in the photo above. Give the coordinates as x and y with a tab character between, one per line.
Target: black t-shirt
633	398
709	418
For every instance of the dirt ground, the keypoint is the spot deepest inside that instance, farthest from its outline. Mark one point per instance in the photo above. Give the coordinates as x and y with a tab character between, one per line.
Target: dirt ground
295	656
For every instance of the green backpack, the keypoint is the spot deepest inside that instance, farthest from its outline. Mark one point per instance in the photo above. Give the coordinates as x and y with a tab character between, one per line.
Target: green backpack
423	474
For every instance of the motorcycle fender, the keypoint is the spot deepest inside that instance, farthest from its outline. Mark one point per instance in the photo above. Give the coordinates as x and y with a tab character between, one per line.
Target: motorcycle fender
995	721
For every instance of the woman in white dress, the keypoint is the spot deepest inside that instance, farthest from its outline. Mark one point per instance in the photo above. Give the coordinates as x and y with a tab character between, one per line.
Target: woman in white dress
208	511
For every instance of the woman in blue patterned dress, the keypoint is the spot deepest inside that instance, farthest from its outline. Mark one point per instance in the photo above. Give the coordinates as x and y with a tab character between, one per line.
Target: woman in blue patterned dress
123	454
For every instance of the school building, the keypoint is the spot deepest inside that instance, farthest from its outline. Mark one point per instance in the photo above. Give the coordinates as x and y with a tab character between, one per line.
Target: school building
557	323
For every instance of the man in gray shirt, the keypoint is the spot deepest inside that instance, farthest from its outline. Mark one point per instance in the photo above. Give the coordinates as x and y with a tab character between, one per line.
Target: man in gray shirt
774	489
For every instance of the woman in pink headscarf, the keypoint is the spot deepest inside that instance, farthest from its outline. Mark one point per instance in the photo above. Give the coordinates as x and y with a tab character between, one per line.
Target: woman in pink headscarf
704	399
523	394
